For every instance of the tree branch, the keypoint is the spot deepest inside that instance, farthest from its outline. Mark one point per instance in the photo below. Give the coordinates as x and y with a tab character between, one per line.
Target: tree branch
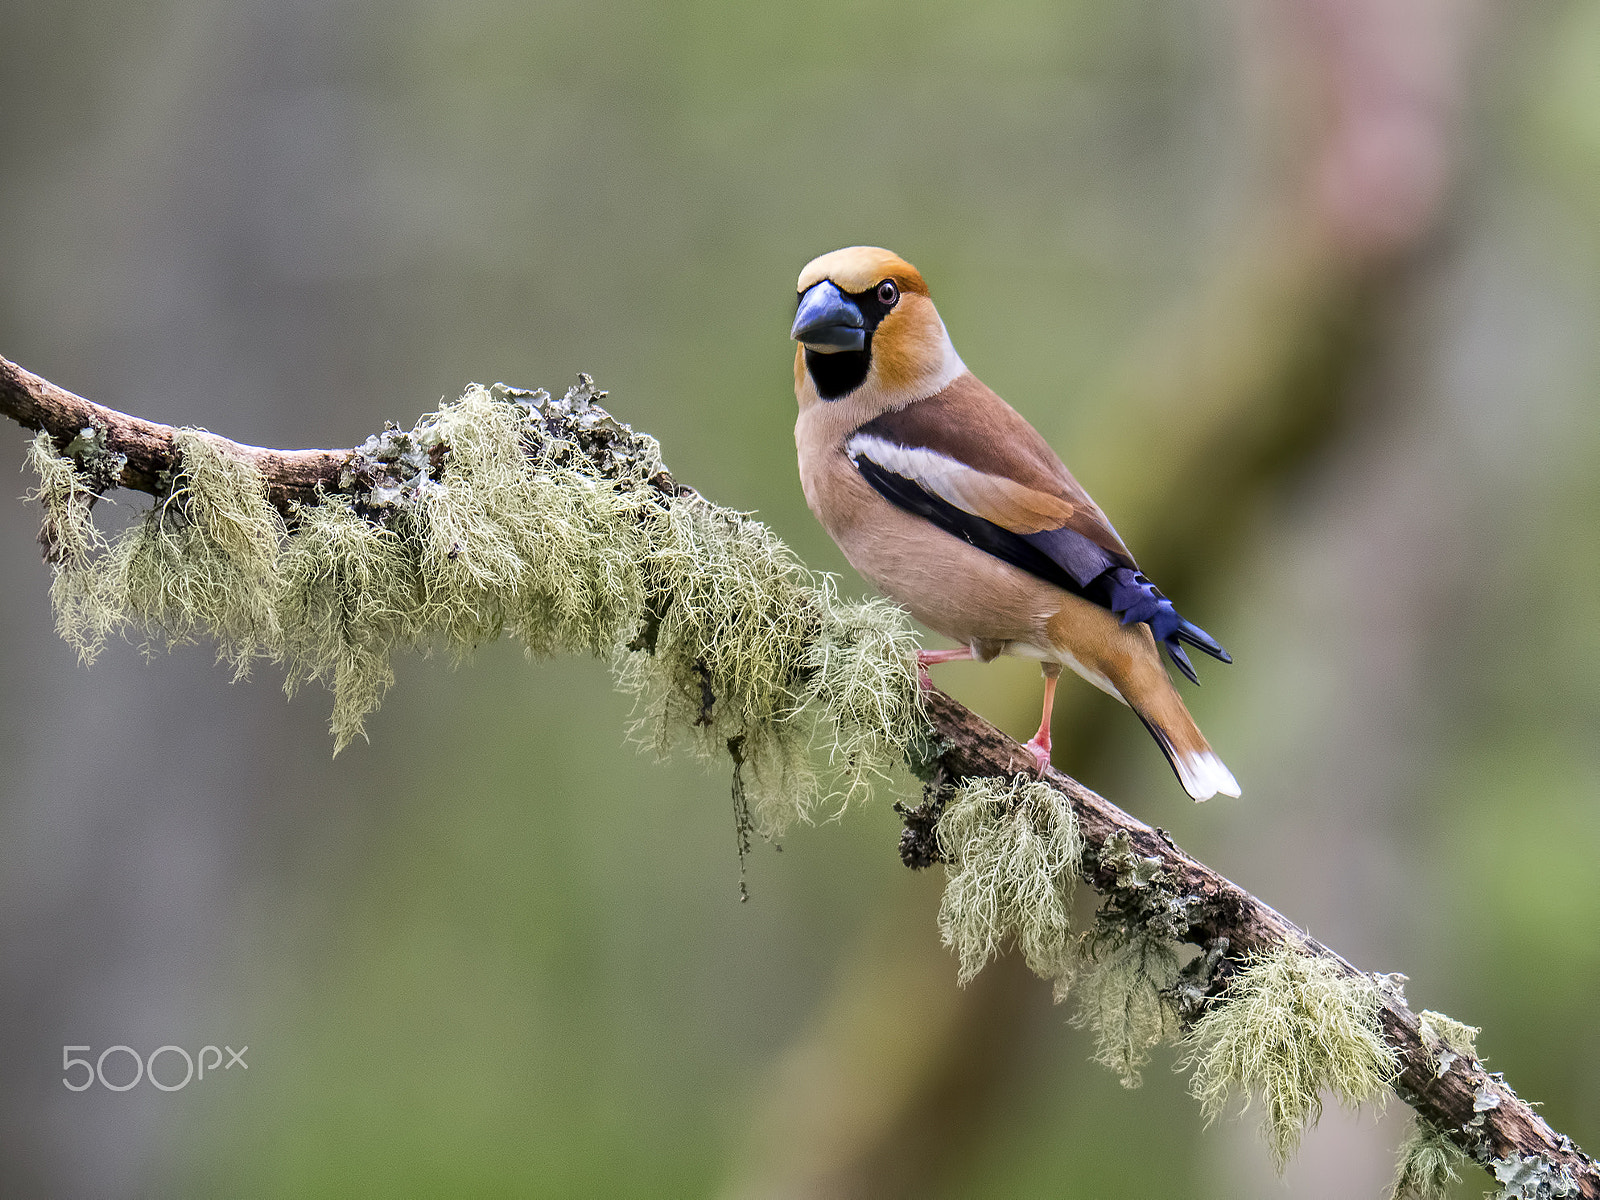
1477	1110
1450	1101
147	448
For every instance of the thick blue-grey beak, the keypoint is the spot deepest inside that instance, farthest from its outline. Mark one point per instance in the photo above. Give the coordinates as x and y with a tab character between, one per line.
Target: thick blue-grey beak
828	322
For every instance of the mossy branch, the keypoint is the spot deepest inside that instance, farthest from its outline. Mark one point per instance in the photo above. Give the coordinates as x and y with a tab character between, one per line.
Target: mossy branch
548	519
506	512
1476	1110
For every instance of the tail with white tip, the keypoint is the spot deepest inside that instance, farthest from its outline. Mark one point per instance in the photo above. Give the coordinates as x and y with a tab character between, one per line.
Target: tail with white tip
1123	660
1193	761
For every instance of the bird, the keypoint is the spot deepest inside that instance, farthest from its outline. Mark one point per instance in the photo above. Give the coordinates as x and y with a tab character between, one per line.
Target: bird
947	500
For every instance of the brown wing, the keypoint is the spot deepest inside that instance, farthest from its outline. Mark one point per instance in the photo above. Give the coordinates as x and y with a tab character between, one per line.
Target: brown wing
1017	481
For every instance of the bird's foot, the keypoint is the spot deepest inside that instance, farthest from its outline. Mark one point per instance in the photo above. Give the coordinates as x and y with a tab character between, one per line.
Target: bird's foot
929	658
1040	749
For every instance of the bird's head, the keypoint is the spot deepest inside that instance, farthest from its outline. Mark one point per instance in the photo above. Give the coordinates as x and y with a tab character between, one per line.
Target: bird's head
867	329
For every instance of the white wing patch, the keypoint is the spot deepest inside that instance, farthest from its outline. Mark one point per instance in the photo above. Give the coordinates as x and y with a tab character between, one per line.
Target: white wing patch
937	473
1006	502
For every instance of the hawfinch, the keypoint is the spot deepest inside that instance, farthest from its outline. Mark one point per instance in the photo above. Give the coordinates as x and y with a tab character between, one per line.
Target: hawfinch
944	497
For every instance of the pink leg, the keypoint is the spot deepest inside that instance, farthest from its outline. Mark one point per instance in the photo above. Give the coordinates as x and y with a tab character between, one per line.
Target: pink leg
1040	745
929	658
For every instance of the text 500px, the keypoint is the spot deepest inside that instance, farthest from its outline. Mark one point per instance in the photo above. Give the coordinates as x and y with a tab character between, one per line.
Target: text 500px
127	1068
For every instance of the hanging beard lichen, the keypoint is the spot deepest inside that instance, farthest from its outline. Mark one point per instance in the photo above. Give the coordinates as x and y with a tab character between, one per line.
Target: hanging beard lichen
70	540
505	512
68	534
1124	1000
1289	1027
1012	850
1127	991
201	562
1427	1166
204	561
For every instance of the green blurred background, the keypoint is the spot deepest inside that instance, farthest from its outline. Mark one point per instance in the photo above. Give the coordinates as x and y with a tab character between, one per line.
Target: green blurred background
1306	291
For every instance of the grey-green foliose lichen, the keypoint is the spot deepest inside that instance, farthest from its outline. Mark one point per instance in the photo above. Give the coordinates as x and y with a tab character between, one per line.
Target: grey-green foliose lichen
1531	1177
1447	1038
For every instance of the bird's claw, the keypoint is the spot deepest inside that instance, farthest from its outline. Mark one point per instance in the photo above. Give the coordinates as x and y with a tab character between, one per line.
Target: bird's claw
1040	749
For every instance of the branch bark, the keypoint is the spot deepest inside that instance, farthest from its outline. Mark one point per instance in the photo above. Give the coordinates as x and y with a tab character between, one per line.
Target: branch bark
1478	1110
148	448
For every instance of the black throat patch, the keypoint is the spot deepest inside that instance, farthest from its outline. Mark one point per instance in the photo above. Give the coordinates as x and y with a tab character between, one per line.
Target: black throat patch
839	374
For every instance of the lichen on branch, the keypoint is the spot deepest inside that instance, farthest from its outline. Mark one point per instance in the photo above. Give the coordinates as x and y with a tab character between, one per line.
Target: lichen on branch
1427	1164
1125	1000
489	518
1289	1027
512	512
1012	849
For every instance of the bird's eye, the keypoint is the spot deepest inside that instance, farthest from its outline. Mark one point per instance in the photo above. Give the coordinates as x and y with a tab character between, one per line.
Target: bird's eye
887	292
